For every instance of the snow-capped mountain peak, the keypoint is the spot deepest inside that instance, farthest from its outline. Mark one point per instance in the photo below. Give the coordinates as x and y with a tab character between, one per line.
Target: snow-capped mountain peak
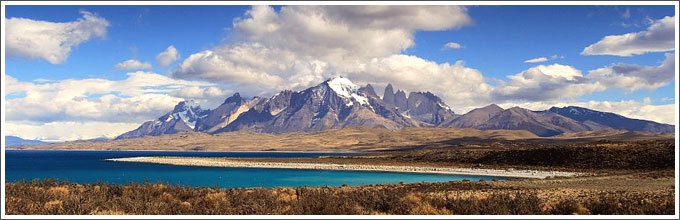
187	111
347	89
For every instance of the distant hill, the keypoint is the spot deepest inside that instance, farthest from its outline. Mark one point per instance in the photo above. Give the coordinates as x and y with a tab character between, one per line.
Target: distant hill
611	120
11	141
555	121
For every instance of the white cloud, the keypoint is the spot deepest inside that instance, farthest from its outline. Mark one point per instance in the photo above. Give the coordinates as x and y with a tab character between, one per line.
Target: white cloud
558	82
536	60
545	83
543	59
55	131
141	96
634	77
51	41
336	33
209	97
659	37
460	86
629	108
334	37
87	108
300	46
168	56
132	64
452	45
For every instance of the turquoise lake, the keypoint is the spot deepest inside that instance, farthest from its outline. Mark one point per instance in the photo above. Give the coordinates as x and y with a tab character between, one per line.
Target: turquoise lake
91	167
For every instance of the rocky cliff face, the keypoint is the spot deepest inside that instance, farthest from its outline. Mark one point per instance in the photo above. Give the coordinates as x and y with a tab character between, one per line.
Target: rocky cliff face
423	107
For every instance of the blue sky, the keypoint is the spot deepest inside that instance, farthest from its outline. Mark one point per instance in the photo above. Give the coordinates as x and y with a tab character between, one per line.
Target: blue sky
496	41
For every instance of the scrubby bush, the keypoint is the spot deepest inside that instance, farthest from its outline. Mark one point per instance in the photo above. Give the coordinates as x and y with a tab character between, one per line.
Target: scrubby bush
50	197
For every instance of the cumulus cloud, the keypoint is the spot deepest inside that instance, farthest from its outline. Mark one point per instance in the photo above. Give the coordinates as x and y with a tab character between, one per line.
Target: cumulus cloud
452	45
557	81
92	108
545	83
51	41
634	77
460	86
300	46
168	56
638	109
659	37
132	64
141	96
334	33
238	64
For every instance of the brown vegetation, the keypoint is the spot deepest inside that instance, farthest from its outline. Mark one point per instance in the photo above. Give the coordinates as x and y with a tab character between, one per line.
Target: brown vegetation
646	155
582	157
570	196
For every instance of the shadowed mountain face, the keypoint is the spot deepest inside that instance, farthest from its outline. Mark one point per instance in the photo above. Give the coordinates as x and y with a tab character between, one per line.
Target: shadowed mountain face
541	124
611	120
420	106
473	118
183	118
335	103
339	103
552	122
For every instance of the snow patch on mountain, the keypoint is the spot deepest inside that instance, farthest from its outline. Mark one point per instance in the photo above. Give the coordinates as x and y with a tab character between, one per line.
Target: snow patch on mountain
187	111
444	106
347	89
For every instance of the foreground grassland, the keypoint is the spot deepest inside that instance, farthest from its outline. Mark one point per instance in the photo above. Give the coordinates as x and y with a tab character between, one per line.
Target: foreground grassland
633	193
623	178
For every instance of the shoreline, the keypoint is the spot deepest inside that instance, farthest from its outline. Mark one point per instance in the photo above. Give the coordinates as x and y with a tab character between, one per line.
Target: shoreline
211	162
234	151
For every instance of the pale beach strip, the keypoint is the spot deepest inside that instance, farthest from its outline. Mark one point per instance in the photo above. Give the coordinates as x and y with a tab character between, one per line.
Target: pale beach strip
212	162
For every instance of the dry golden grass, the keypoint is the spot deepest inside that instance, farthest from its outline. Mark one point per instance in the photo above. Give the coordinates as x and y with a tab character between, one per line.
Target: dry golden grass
582	196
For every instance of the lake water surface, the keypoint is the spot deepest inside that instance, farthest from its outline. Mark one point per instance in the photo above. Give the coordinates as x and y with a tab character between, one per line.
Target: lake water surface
91	167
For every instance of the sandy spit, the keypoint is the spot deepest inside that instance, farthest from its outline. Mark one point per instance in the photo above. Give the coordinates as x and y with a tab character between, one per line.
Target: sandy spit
193	161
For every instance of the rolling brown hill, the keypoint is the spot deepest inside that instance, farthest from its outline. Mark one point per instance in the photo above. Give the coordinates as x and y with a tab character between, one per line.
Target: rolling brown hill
339	140
346	139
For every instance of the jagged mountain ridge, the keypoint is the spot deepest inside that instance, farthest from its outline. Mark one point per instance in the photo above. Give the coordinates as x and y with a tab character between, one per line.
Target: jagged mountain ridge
335	103
339	103
183	118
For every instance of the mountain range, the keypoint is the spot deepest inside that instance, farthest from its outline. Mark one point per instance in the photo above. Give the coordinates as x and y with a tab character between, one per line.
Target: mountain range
12	141
339	103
